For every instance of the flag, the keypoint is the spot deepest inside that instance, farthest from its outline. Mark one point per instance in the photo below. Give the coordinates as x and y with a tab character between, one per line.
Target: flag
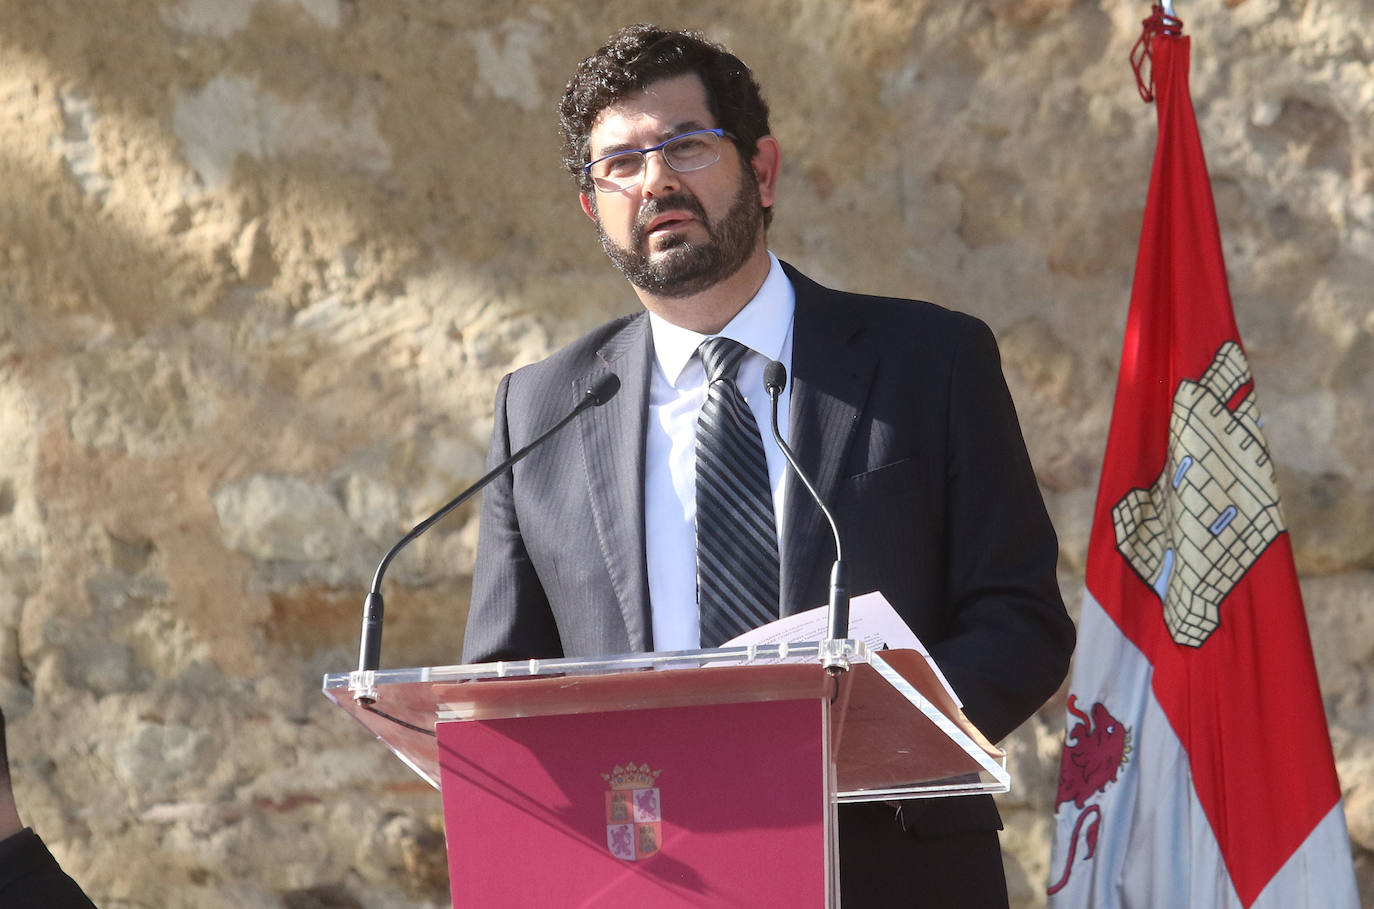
1197	768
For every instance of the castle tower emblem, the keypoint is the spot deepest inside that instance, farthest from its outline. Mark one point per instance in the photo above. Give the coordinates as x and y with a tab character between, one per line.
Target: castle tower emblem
1213	510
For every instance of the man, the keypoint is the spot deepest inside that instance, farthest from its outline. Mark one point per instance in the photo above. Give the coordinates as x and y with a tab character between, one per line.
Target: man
598	543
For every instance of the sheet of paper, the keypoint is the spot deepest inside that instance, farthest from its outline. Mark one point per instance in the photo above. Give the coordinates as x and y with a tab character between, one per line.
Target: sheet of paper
871	620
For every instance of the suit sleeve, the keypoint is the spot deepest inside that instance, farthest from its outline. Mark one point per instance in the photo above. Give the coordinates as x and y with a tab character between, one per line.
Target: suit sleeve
1007	638
509	616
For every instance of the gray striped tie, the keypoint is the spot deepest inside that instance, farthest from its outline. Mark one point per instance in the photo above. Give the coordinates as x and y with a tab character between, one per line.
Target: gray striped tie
737	543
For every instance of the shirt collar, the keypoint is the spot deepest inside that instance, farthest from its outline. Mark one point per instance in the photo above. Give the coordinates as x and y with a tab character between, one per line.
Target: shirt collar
761	326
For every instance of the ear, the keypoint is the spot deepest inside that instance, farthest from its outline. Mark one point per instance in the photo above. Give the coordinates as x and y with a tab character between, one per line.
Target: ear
588	206
767	161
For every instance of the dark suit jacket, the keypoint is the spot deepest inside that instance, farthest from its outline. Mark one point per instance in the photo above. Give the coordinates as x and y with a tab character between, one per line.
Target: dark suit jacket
899	411
30	877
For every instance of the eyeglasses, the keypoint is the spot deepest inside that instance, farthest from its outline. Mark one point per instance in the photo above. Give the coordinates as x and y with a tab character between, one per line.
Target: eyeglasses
685	153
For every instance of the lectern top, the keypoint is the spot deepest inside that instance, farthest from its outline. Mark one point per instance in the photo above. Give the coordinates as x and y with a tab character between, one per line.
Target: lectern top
895	732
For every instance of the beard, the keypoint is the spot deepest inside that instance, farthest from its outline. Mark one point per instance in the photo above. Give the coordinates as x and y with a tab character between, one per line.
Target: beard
681	267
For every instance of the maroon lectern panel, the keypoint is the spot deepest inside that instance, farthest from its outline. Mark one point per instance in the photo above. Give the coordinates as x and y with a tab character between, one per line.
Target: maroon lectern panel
666	807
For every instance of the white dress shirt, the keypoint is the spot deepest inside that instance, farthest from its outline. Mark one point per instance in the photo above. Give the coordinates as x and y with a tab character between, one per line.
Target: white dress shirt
677	389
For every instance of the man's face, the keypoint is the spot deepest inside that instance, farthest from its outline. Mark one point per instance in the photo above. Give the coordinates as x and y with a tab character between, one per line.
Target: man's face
674	234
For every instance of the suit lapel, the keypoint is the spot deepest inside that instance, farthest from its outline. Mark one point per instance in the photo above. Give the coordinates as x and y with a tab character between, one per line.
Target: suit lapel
613	452
831	376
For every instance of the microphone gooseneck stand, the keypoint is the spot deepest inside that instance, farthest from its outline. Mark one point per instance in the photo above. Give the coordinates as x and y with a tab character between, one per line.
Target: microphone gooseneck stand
370	647
774	380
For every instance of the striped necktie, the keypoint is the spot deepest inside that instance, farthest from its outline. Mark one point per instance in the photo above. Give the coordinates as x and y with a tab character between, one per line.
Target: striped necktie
737	542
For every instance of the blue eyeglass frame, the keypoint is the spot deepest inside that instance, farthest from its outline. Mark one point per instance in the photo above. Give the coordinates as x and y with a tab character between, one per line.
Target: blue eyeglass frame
718	132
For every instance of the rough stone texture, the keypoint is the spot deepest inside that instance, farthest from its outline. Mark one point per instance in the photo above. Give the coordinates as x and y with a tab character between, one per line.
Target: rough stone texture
262	263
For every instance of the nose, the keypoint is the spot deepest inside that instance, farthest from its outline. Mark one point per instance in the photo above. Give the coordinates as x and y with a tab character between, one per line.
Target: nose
659	178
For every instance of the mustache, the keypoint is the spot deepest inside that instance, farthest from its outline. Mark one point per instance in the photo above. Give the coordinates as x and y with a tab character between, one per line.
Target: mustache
659	204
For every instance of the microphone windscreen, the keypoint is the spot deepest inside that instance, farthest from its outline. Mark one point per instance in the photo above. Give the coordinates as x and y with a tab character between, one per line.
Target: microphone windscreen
775	377
605	389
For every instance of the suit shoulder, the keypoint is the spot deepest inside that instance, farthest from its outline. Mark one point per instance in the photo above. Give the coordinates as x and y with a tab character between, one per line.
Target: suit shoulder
599	347
898	319
917	314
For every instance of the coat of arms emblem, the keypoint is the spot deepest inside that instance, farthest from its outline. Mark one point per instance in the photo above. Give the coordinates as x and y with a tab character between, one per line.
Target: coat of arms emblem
634	812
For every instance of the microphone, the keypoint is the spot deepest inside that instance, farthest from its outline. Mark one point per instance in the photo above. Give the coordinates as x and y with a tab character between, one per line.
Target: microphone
774	380
370	648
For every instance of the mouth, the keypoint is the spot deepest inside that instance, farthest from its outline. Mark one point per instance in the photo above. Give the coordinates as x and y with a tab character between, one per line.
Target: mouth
667	222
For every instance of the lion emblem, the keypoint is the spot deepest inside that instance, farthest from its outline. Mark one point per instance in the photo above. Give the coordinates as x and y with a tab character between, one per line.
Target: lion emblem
1094	752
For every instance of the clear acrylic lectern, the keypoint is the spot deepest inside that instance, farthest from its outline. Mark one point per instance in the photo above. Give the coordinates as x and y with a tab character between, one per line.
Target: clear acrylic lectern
668	779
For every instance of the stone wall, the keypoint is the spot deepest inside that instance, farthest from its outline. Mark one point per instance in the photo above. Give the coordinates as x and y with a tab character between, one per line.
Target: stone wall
262	263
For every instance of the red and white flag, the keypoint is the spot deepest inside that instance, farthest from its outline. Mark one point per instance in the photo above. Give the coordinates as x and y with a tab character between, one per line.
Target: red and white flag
1197	768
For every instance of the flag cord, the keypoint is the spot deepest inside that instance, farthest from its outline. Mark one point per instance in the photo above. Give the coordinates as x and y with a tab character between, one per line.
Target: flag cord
1162	21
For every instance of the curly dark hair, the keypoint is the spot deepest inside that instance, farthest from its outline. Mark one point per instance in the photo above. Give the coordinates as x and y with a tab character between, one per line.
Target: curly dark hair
638	56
